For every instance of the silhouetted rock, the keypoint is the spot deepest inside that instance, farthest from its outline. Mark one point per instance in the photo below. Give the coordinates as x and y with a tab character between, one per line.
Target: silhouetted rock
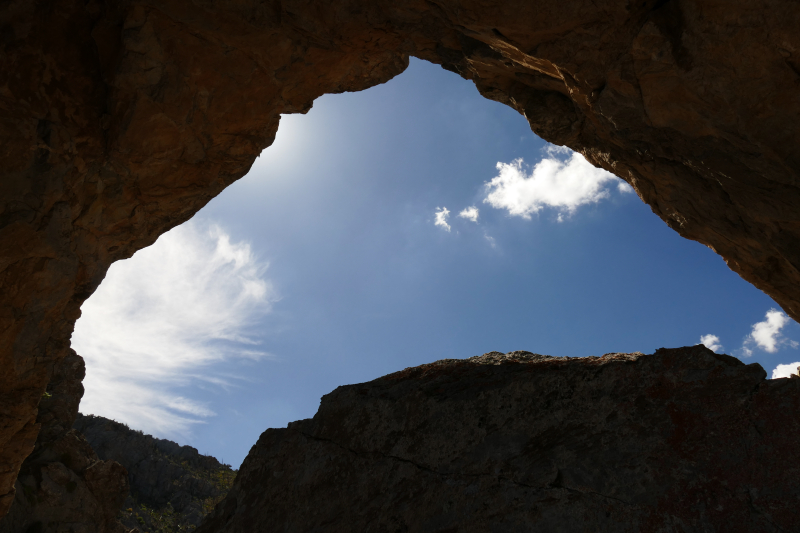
172	486
683	440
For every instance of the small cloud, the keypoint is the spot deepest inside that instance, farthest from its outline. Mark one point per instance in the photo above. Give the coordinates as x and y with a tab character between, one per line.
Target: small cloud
190	407
563	184
767	334
625	188
490	240
711	342
555	150
160	318
784	371
441	217
470	213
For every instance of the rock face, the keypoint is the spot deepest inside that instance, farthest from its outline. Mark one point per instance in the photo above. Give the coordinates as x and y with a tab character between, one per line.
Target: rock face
63	485
78	479
172	487
67	488
119	120
682	440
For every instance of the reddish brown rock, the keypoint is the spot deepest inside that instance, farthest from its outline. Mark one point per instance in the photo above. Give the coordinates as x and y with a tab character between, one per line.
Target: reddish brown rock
119	120
682	440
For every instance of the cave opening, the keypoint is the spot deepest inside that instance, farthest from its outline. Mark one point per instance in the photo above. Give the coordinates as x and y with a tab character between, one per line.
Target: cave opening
326	266
121	120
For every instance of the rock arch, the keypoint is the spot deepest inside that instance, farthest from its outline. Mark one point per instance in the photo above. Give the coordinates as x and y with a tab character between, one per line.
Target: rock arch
119	120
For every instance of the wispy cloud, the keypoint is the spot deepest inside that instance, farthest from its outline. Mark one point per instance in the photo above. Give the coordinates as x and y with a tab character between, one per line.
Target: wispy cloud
441	217
784	371
470	213
711	342
767	334
159	318
563	180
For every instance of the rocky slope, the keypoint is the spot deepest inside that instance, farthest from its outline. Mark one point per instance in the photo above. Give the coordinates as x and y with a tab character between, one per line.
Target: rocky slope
682	440
172	487
119	120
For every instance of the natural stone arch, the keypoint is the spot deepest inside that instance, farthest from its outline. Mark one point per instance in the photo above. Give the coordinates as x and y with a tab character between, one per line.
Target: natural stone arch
119	120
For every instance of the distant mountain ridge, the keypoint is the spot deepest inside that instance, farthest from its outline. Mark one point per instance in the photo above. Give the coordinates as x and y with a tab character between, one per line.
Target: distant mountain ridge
172	487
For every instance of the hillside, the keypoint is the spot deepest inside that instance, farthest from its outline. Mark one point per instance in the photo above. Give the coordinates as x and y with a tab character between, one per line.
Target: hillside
172	487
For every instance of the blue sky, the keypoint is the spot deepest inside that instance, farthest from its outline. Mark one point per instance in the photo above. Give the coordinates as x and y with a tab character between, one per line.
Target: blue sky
325	266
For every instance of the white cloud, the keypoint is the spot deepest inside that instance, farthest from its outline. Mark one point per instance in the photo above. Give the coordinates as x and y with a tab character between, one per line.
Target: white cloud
784	371
563	184
555	151
163	315
470	213
767	334
711	342
441	217
625	188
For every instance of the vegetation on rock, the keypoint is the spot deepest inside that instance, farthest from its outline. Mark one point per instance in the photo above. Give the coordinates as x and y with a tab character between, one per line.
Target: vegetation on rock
172	486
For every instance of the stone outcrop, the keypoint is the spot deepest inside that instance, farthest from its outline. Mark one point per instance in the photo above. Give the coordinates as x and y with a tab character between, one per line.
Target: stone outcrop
63	485
682	440
93	475
119	120
173	487
67	489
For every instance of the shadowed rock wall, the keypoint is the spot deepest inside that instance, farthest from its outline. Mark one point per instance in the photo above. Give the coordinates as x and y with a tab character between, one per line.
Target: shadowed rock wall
119	120
682	440
64	487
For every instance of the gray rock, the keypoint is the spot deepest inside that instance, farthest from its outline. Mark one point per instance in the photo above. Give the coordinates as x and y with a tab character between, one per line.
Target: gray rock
683	440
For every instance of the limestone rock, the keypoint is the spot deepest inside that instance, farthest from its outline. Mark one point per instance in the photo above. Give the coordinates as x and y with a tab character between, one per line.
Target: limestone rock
121	119
682	440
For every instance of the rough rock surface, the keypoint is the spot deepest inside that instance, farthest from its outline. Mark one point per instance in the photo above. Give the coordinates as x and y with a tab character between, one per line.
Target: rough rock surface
120	119
63	485
173	487
683	440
